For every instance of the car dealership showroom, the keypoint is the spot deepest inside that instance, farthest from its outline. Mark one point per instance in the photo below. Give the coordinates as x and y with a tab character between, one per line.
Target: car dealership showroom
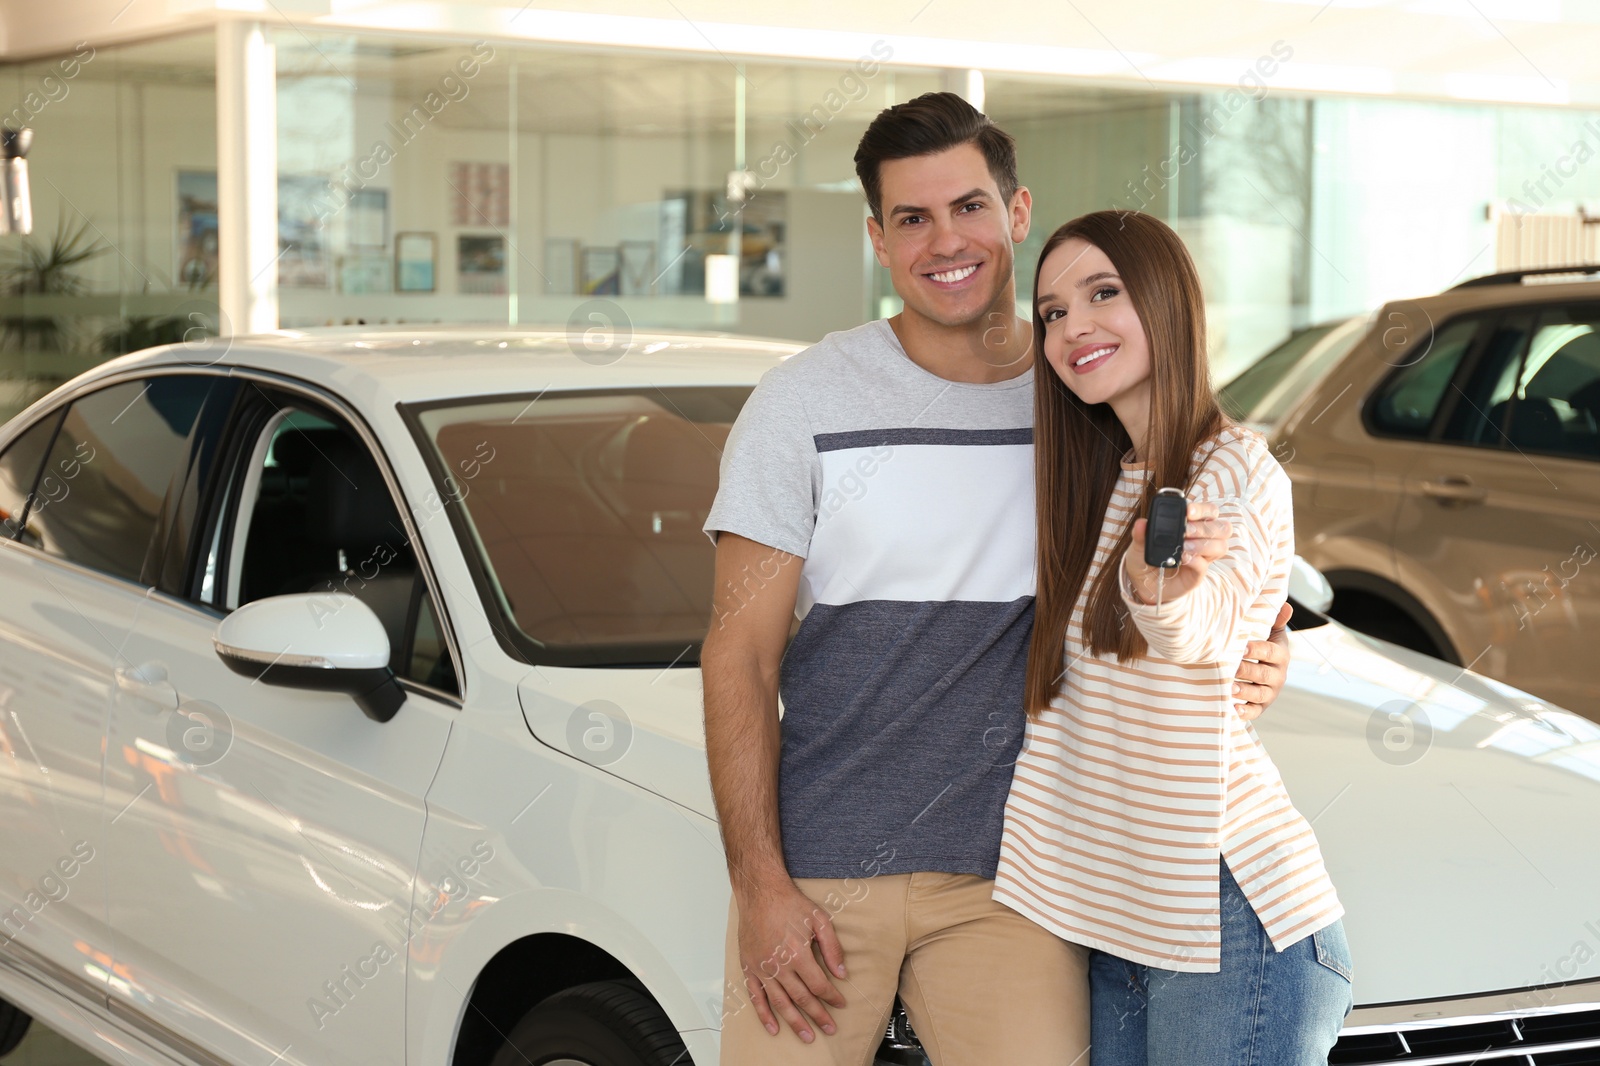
1217	389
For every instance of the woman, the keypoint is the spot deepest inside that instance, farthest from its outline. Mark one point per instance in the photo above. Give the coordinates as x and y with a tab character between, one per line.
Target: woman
1145	820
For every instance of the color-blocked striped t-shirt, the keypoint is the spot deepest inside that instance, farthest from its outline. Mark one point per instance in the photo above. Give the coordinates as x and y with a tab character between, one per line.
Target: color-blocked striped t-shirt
1140	774
910	498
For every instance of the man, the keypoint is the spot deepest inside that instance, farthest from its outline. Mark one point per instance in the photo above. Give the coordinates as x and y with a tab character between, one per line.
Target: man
881	482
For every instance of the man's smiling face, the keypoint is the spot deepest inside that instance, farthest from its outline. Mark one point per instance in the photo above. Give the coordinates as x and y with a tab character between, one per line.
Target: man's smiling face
947	237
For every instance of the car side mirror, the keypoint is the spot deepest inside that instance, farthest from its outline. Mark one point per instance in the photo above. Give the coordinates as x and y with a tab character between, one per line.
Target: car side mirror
319	640
1308	587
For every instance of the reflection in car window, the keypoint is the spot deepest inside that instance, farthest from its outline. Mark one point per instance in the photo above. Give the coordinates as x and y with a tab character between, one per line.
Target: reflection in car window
108	473
1407	402
1240	396
585	512
429	661
19	470
1480	412
322	519
1556	408
1305	374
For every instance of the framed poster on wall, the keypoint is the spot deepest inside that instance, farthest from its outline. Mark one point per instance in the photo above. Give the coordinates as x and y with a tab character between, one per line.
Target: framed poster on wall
600	271
303	252
369	220
196	236
481	264
482	194
637	269
363	273
416	260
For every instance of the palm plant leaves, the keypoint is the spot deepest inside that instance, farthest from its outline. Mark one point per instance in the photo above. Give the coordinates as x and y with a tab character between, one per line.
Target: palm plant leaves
33	269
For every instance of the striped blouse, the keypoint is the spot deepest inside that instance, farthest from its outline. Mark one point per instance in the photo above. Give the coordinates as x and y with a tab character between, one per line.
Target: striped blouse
1140	774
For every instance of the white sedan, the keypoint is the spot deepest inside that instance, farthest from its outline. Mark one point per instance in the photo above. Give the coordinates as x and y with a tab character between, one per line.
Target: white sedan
350	714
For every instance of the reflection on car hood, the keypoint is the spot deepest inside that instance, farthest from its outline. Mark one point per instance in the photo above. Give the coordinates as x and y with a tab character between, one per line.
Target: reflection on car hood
1456	814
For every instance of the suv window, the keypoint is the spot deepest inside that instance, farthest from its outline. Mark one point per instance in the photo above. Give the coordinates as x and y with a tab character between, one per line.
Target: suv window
315	515
1407	402
1479	415
100	497
19	471
1556	404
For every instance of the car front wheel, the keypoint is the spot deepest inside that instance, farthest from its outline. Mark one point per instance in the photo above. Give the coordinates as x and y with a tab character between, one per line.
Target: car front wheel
607	1023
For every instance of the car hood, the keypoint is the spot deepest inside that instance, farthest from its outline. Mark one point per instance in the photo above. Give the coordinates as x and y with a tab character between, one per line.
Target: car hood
1456	814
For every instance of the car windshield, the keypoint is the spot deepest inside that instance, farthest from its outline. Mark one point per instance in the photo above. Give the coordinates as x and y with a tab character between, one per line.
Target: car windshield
584	512
1295	365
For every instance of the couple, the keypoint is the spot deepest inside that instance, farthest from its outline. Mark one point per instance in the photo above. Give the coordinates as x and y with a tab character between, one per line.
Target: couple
1014	781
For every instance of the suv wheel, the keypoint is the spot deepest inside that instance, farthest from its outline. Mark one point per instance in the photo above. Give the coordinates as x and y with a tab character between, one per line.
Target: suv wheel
1376	617
13	1027
607	1023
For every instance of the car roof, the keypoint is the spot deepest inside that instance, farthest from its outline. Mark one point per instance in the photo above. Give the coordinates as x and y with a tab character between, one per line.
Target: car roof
1477	294
415	363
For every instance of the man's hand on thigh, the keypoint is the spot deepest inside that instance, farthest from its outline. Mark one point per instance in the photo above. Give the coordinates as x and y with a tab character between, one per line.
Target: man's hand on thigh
777	930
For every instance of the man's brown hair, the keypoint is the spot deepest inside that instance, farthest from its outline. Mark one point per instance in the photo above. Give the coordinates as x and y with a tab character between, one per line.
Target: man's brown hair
932	123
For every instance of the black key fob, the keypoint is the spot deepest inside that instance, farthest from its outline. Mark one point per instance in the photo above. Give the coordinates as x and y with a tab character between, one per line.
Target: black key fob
1163	536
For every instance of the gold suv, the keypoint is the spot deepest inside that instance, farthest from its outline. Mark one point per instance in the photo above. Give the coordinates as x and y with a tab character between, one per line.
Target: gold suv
1445	456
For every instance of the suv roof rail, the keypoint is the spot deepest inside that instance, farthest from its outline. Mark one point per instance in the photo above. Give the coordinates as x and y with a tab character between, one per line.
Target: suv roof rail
1516	277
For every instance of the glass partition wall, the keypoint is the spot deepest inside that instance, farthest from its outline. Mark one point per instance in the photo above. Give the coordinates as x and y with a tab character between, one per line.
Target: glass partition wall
441	181
484	182
104	271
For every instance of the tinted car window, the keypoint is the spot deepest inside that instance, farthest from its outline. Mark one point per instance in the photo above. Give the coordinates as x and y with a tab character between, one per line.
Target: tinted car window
429	661
584	510
1407	402
1556	408
1481	404
19	471
100	497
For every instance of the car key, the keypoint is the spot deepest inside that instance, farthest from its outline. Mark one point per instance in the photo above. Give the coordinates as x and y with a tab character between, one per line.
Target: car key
1163	536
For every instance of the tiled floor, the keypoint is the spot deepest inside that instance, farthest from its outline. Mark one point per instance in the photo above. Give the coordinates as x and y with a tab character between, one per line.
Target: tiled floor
42	1047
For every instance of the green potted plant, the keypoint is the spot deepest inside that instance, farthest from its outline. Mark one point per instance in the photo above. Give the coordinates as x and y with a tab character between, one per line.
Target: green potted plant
35	270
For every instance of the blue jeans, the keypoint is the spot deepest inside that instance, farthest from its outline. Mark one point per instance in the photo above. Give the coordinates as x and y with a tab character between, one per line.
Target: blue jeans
1265	1008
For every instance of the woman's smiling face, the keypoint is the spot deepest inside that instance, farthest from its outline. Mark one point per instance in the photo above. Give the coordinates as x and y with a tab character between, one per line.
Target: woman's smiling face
1092	335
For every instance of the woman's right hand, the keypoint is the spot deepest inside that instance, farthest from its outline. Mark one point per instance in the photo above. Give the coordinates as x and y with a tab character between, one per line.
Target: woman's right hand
1205	540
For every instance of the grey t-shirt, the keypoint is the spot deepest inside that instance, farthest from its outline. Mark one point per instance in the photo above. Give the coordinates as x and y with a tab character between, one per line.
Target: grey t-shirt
910	498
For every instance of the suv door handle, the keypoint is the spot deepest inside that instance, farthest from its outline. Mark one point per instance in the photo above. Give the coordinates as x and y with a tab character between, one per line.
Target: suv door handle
1454	489
147	682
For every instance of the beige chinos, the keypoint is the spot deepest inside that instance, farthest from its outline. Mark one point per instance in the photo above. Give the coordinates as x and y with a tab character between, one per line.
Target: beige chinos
982	984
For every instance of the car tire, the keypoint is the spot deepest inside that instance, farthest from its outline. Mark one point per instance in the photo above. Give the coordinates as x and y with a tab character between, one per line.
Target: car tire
607	1023
1375	617
13	1027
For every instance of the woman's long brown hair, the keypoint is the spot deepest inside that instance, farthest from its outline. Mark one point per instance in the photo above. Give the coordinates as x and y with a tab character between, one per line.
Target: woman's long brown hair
1078	447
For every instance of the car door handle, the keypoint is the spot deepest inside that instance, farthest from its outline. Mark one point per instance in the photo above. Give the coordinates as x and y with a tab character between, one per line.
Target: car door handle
147	682
1456	489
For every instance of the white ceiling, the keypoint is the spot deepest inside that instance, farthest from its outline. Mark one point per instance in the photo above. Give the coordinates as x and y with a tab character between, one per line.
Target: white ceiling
1523	51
